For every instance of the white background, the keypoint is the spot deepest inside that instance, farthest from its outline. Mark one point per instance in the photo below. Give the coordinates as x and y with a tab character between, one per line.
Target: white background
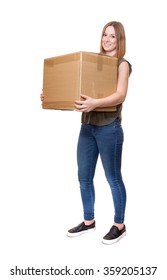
40	197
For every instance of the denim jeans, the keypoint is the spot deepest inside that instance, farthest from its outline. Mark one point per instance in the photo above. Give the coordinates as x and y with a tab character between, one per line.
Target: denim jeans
105	141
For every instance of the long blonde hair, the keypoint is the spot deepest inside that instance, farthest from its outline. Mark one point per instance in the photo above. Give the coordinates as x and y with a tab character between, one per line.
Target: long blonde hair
120	36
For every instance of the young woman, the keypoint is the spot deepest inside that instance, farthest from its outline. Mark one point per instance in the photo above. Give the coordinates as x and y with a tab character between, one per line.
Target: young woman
101	134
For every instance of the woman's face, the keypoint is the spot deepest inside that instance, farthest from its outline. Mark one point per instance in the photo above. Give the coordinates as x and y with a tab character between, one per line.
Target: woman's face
109	41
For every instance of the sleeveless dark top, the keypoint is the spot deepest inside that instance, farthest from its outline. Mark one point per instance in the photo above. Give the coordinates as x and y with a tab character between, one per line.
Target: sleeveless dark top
104	118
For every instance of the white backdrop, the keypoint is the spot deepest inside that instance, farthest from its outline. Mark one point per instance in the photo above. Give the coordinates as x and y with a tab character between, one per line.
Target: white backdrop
40	198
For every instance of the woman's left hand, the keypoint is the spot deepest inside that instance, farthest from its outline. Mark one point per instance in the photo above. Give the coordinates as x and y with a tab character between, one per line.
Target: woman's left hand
87	104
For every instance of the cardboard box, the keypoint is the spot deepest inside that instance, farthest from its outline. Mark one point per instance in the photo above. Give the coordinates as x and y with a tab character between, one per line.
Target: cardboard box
65	77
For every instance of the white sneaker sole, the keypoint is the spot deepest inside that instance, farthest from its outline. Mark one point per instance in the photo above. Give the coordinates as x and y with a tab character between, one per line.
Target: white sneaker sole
69	234
109	242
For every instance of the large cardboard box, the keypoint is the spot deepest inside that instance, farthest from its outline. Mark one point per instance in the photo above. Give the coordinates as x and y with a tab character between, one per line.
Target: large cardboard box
65	77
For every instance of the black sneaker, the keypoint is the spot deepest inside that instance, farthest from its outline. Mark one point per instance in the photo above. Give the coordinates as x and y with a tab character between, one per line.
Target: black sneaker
80	229
114	235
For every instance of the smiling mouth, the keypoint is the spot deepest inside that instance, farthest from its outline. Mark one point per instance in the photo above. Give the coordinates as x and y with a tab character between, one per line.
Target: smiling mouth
107	45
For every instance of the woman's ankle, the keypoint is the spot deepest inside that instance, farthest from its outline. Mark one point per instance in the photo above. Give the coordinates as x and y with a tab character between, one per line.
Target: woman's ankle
119	226
88	222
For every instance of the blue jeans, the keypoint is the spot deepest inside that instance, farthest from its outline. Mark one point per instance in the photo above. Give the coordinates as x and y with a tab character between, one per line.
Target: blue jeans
105	141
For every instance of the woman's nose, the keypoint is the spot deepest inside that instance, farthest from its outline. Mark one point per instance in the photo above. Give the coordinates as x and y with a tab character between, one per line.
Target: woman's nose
107	38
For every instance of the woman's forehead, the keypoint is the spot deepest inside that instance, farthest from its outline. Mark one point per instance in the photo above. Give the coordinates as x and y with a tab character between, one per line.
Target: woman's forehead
110	29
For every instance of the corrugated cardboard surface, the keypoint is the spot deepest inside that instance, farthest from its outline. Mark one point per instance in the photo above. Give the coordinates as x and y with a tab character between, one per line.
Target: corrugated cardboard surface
66	77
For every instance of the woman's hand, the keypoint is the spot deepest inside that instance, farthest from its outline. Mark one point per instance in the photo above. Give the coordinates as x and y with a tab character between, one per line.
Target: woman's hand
42	96
86	105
